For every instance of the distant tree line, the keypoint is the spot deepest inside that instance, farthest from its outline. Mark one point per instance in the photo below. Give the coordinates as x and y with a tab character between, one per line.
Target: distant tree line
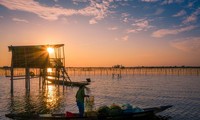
118	66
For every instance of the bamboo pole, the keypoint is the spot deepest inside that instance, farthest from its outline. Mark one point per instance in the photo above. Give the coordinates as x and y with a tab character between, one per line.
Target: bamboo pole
27	80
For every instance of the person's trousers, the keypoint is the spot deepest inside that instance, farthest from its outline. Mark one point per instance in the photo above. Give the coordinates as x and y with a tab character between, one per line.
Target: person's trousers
80	108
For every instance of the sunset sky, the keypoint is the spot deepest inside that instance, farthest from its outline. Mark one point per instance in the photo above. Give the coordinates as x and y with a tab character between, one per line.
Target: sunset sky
106	32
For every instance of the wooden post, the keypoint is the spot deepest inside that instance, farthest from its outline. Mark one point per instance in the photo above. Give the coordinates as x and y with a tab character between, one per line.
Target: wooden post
40	76
27	80
12	73
62	70
11	79
43	78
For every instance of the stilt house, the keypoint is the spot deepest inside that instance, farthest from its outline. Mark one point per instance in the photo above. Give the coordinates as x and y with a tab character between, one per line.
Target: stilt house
37	57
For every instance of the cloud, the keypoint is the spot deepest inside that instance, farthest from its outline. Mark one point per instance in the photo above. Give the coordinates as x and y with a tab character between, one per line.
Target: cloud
125	14
76	2
20	20
98	10
92	21
163	32
159	11
113	28
171	1
149	0
139	25
193	17
191	44
125	20
49	13
125	38
180	13
125	17
95	10
190	18
122	38
167	2
190	4
131	31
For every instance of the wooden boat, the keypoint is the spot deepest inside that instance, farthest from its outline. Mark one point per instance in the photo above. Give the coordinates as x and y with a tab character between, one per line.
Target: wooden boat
146	114
68	83
53	80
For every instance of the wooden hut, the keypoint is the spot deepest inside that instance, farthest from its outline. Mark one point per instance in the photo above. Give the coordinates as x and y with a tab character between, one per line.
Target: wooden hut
36	56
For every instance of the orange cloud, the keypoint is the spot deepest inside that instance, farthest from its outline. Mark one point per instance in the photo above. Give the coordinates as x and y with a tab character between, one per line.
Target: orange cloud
20	20
191	44
113	28
163	32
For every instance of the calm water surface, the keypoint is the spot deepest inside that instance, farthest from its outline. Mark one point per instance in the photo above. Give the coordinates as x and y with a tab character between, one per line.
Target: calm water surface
181	91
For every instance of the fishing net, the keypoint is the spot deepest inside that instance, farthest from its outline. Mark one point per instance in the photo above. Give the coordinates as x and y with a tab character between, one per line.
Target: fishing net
89	104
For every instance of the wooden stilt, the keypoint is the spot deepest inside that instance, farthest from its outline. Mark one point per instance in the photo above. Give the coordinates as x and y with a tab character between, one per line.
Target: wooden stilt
40	76
11	80
27	80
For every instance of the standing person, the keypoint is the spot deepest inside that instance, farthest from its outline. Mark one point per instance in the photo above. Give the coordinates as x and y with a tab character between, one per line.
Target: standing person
80	95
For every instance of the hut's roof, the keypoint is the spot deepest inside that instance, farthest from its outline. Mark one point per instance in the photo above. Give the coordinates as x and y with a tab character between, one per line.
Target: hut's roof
35	46
32	56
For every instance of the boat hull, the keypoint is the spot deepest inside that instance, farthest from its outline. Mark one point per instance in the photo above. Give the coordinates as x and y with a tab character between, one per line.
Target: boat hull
68	83
147	114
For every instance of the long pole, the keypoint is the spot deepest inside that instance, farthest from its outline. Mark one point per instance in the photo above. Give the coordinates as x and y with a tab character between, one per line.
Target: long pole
12	73
27	80
11	80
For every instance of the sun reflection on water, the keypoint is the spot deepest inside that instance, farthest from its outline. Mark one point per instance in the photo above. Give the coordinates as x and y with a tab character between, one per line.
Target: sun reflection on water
52	97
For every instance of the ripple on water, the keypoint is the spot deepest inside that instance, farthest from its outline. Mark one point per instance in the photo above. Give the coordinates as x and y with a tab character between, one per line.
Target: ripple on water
139	90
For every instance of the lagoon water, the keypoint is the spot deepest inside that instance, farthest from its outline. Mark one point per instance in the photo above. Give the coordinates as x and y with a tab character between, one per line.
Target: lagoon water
142	90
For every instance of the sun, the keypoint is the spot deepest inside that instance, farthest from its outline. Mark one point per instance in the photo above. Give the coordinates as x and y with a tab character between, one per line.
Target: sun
50	50
49	70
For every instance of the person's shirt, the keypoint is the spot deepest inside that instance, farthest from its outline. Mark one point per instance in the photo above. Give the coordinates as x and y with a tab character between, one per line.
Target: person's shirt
80	95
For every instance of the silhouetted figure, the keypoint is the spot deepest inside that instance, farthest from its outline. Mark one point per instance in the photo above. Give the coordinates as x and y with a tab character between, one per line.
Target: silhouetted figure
80	95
